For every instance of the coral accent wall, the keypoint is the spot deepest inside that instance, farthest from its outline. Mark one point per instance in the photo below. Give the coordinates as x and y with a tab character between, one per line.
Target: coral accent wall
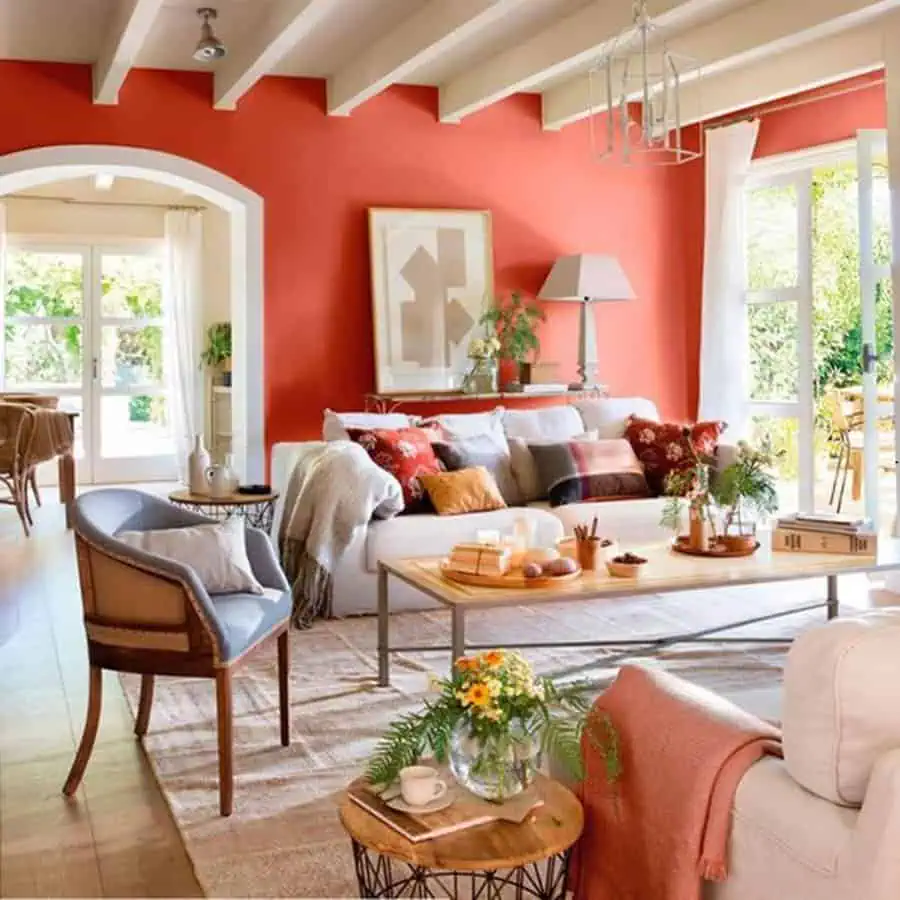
825	121
318	175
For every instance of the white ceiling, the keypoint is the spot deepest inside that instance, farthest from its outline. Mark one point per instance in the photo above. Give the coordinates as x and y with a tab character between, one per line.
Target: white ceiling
475	51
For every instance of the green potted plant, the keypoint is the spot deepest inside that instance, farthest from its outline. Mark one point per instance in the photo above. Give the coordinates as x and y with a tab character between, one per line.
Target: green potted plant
493	719
514	321
218	350
744	490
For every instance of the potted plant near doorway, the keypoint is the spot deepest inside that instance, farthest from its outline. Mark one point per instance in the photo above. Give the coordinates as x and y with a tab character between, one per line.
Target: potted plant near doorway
217	354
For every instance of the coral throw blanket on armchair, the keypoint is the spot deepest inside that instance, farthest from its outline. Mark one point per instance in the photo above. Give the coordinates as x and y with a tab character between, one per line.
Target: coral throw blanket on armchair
662	826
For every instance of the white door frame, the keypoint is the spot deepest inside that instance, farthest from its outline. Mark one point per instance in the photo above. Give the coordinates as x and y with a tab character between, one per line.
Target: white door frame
30	168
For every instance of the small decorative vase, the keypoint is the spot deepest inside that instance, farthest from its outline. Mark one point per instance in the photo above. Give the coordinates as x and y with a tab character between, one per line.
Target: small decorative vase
482	378
231	473
494	768
198	463
699	534
740	530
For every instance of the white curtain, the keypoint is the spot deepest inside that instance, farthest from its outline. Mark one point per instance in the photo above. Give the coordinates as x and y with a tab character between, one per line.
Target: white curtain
723	342
182	295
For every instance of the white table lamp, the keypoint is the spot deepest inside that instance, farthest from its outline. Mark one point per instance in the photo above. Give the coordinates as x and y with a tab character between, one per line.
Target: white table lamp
587	279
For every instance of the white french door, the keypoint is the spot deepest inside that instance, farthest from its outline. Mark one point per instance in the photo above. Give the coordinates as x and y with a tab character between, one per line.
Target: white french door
85	323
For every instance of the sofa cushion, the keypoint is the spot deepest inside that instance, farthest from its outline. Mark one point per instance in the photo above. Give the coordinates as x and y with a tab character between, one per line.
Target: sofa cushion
524	468
630	522
666	447
464	491
549	423
490	450
405	453
575	471
466	425
609	415
428	534
335	425
842	703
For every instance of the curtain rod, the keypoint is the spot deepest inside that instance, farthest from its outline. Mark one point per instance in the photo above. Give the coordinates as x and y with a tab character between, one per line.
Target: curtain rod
793	104
74	202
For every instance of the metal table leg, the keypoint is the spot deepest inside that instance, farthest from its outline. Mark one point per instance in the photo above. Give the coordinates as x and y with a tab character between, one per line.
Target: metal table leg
834	604
384	613
458	636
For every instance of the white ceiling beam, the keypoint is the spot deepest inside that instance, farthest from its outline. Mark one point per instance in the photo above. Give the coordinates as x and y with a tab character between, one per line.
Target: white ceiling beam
422	37
753	32
566	46
130	26
813	65
286	22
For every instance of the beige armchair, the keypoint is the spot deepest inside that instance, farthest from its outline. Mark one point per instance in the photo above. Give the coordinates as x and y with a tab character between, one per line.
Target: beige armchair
824	823
147	614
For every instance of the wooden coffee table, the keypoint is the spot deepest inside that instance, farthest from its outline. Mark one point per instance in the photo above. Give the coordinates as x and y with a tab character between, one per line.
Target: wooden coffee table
532	859
666	572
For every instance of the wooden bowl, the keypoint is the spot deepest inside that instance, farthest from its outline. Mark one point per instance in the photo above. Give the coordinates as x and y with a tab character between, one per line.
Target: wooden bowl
625	570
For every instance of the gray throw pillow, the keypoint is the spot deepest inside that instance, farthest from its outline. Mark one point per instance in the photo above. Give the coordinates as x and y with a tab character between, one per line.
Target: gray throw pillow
482	450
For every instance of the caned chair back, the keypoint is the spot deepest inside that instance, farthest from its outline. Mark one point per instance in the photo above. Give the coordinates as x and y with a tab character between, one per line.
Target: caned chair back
16	437
142	613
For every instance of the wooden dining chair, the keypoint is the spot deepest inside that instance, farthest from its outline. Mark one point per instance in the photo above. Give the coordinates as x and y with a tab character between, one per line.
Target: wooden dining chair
150	615
17	431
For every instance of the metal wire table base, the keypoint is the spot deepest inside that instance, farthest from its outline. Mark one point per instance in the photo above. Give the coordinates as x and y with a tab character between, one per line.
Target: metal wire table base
379	875
256	515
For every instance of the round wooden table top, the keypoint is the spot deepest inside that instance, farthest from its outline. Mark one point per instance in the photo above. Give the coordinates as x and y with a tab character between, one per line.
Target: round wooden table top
546	831
185	496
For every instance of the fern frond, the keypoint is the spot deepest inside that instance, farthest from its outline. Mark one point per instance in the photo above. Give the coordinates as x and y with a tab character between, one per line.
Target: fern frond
401	745
561	739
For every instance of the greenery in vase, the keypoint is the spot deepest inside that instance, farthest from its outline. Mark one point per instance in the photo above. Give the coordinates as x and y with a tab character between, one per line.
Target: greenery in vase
218	344
515	323
748	483
496	694
689	485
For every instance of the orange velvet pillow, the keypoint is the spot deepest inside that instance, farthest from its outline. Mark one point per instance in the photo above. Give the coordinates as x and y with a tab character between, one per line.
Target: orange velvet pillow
464	491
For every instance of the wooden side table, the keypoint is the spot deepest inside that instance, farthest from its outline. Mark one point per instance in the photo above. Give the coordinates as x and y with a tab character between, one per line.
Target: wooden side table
257	510
531	859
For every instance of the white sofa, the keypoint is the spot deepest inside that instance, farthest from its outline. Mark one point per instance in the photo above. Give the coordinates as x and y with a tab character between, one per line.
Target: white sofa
824	823
631	522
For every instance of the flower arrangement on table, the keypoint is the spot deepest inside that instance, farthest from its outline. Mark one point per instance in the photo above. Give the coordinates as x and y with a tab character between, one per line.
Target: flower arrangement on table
493	719
482	377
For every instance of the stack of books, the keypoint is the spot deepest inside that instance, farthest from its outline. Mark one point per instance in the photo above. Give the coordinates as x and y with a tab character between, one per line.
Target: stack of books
480	559
825	533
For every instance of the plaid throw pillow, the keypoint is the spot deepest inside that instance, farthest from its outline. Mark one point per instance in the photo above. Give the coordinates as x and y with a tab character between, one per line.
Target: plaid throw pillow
664	447
578	471
407	454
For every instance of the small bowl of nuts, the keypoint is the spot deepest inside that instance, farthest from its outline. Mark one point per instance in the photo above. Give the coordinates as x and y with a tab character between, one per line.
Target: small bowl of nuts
626	565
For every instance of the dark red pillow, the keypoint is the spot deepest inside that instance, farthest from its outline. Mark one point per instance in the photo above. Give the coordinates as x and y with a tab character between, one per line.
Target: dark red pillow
664	447
406	453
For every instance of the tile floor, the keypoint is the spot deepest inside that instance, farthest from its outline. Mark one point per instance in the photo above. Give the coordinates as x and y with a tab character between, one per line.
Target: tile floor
116	837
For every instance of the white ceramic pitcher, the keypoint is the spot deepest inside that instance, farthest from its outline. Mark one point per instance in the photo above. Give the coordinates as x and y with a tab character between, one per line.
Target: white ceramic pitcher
220	481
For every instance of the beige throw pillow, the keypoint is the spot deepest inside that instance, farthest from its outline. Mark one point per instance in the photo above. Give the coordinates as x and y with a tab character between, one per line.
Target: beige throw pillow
217	553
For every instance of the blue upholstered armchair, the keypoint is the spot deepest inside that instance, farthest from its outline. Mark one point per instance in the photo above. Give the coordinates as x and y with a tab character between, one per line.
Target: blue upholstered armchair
148	614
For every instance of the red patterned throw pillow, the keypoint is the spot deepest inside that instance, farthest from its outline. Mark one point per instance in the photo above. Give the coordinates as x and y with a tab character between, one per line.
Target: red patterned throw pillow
664	447
407	454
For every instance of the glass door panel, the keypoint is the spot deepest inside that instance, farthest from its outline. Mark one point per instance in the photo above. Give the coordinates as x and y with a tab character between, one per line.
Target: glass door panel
132	427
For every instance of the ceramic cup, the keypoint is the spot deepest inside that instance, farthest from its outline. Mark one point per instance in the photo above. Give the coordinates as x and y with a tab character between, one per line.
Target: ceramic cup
420	785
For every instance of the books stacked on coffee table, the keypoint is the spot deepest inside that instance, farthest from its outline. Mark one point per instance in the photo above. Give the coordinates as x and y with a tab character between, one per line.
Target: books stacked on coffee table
825	533
480	559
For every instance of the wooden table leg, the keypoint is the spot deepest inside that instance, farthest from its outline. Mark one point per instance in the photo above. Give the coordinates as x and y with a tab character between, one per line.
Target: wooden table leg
67	484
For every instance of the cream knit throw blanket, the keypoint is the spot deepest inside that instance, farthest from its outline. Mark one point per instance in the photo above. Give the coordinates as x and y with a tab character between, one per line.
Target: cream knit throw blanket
334	489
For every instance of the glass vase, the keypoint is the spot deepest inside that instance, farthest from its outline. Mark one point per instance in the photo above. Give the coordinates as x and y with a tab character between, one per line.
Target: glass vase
482	377
496	767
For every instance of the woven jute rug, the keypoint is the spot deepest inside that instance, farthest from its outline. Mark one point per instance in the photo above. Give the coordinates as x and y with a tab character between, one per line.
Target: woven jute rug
284	838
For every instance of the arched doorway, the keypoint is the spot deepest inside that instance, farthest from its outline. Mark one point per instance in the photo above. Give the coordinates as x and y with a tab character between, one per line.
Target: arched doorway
31	168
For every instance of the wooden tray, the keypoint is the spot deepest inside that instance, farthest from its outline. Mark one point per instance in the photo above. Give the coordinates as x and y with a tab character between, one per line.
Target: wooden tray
514	579
681	545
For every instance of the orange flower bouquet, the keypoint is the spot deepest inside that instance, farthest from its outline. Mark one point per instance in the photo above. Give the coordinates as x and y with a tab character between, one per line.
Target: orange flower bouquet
493	720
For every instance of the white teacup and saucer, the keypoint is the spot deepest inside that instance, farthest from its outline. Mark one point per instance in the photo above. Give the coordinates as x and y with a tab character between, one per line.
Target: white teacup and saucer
421	791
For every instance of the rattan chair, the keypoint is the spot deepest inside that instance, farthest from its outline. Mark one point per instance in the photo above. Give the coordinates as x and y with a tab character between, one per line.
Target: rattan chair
147	614
16	470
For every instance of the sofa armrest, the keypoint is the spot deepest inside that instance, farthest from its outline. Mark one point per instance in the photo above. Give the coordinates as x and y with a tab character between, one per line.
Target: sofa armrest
726	454
284	458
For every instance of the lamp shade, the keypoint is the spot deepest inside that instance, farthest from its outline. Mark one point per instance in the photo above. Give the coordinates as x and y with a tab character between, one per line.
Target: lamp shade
587	276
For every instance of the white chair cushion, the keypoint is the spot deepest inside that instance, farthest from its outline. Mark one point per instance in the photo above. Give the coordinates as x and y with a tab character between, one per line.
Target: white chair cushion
842	703
216	552
551	423
431	535
609	415
335	425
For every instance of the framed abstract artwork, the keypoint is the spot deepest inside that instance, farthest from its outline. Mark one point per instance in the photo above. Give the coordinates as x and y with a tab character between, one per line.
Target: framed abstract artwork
432	278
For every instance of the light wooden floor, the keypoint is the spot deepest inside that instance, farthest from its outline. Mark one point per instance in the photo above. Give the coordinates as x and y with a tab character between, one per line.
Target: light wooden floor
116	837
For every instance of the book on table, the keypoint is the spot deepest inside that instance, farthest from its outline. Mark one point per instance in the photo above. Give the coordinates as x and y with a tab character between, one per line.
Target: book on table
829	523
466	811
